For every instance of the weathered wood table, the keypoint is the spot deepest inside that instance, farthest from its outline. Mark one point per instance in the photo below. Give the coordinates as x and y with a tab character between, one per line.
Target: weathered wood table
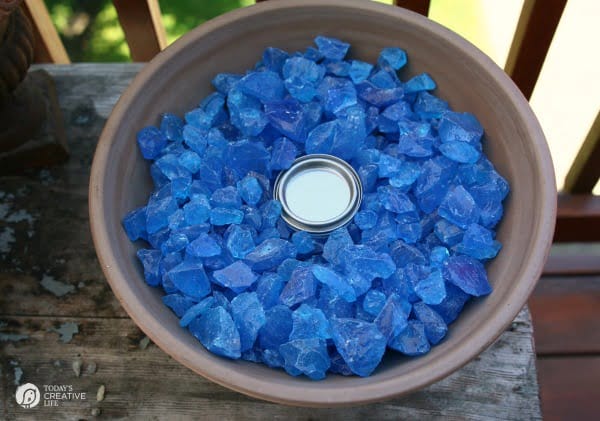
62	329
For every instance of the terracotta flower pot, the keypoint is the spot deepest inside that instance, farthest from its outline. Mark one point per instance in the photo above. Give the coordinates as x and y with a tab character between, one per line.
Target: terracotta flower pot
180	76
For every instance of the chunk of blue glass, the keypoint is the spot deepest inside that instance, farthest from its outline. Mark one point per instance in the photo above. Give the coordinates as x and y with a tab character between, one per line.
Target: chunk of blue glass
158	211
306	356
277	327
414	139
270	253
448	233
360	344
249	316
180	188
203	246
377	96
217	332
197	310
459	207
268	289
368	177
403	281
429	106
250	190
388	119
337	94
245	112
309	322
301	78
406	175
274	58
197	210
366	262
195	139
303	241
190	161
270	211
171	126
198	119
359	71
383	80
435	326
289	118
178	303
338	365
365	219
393	200
374	301
134	224
422	82
460	152
335	282
150	261
431	289
392	319
245	156
223	82
367	156
313	54
450	308
438	256
332	48
267	233
333	305
169	165
409	231
478	242
239	240
388	165
321	138
252	217
393	56
176	242
301	286
190	278
460	127
226	216
226	197
266	86
214	106
157	238
411	341
337	68
151	142
468	274
336	242
238	276
283	154
433	183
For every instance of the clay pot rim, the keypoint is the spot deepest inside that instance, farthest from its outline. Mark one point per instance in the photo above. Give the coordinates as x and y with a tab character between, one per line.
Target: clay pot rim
296	391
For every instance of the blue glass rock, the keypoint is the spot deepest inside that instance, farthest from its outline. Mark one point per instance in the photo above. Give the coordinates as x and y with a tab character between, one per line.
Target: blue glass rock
360	344
289	118
249	316
245	156
178	303
461	127
429	106
431	289
223	82
270	253
460	152
359	71
438	256
195	139
197	310
283	154
378	97
459	207
226	216
301	78
301	286
150	261
393	317
435	327
411	341
239	240
151	142
479	243
217	332
266	86
134	224
171	126
394	57
190	278
197	210
203	246
468	274
419	83
227	197
365	219
268	289
270	212
332	48
237	276
364	261
304	242
373	302
448	233
250	190
335	282
277	328
158	212
309	322
245	112
274	58
176	242
395	201
306	356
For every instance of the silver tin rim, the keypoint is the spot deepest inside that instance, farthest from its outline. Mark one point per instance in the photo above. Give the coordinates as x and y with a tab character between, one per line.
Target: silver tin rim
320	161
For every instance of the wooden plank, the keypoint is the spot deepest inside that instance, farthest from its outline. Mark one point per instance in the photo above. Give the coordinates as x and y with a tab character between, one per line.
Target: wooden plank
500	381
142	23
585	169
578	218
533	36
48	45
566	315
569	387
586	264
418	6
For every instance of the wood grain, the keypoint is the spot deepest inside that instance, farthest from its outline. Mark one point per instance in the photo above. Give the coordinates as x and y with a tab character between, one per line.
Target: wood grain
585	169
48	45
500	383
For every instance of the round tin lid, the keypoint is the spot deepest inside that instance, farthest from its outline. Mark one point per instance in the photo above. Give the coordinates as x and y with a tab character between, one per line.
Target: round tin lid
318	193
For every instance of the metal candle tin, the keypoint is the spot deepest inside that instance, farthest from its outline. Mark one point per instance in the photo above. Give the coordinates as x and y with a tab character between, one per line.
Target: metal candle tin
318	193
